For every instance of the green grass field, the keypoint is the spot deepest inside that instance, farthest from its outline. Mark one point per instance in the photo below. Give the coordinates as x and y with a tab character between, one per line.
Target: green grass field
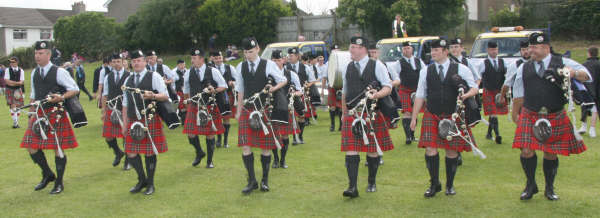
310	187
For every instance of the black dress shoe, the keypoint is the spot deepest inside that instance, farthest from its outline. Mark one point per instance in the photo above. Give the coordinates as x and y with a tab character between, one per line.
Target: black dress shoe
58	188
529	192
210	165
351	192
44	182
408	142
275	164
295	142
432	190
226	146
264	186
488	136
138	187
198	159
460	160
371	188
250	187
301	141
218	144
149	190
126	167
450	191
331	128
550	195
118	158
283	165
498	139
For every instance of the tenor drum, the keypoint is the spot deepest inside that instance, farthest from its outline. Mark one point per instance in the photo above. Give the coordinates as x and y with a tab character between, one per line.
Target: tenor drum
338	60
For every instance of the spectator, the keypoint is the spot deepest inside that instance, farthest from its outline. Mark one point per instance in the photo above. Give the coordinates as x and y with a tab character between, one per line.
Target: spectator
80	79
2	82
212	43
300	38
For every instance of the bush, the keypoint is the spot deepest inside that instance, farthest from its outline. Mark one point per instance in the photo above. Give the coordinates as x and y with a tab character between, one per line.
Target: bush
577	18
25	56
505	17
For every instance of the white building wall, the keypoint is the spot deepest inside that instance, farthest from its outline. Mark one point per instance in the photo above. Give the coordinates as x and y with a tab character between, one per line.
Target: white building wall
33	35
473	9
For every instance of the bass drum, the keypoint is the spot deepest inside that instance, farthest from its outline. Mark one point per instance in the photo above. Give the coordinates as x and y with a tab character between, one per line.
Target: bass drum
338	60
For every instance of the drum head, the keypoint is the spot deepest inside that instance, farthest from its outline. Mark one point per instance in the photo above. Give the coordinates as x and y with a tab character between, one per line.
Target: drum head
254	119
202	118
115	117
137	131
338	60
542	130
358	127
497	99
445	129
40	125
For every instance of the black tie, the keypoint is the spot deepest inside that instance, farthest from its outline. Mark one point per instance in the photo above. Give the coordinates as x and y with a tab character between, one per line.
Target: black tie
137	79
117	77
357	65
441	73
495	65
39	70
541	70
252	68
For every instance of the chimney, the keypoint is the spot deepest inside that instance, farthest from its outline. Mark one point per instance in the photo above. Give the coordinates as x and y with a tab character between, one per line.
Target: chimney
78	7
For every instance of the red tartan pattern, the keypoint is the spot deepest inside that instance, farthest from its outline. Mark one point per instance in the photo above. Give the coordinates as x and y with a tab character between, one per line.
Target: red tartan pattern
144	146
111	130
350	142
10	97
190	126
65	134
489	104
254	138
430	135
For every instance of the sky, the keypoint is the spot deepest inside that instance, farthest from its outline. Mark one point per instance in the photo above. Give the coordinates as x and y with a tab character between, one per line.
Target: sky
312	6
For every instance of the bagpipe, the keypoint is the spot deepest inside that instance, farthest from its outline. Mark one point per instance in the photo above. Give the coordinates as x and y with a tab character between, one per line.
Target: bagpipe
307	96
116	116
202	100
365	107
73	108
561	77
165	109
450	128
294	106
139	130
386	105
42	125
262	102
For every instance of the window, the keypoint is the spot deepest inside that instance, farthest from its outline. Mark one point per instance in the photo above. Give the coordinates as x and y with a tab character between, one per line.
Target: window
45	34
19	34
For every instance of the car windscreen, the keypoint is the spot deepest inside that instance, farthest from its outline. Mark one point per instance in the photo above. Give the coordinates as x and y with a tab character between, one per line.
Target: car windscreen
393	51
507	47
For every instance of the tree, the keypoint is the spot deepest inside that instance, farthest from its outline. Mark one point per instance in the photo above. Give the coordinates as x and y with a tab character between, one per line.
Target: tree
439	16
236	19
579	18
90	34
373	16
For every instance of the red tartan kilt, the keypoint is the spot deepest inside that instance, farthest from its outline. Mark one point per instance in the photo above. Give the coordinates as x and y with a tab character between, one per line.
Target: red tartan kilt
404	93
181	105
489	103
10	97
562	141
286	128
332	101
350	142
254	138
111	130
64	131
310	109
430	138
232	107
190	126
144	146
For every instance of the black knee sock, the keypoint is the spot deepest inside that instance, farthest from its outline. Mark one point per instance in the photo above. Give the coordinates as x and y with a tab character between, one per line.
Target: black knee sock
226	133
275	155
113	144
491	126
249	164
339	113
550	171
286	142
266	164
529	166
332	117
61	165
406	127
373	166
301	124
352	162
150	169
496	126
433	165
210	150
195	141
219	137
40	159
136	163
451	167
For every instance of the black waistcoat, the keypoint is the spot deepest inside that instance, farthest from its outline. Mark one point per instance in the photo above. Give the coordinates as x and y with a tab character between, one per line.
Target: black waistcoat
539	92
409	77
441	95
492	79
357	83
15	75
114	87
47	85
256	83
145	84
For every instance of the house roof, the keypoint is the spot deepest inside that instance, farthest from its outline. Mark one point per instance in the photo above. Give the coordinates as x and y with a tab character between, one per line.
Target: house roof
30	17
